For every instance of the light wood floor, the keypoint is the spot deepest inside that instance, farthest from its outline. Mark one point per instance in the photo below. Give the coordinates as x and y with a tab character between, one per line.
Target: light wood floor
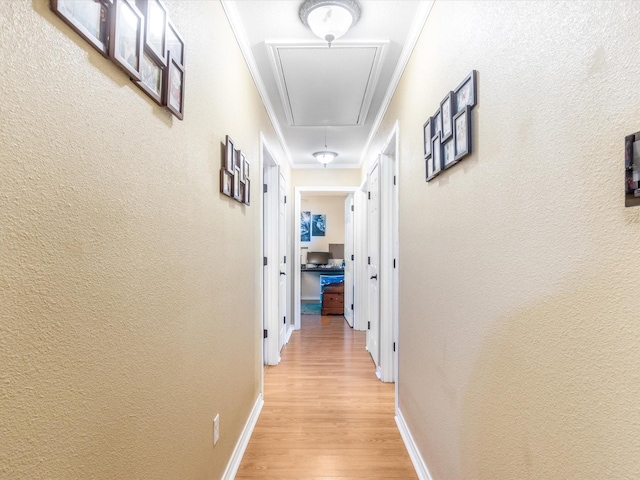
326	415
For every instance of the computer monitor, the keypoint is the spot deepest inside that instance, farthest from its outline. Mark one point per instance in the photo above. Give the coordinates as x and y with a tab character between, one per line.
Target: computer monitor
317	258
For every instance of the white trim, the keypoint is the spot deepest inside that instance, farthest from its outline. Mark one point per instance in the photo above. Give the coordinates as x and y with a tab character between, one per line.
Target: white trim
412	39
371	84
270	238
418	462
296	248
331	166
289	332
360	301
243	441
236	26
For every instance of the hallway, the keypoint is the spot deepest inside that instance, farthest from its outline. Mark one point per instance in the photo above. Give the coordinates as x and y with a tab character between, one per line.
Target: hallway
326	415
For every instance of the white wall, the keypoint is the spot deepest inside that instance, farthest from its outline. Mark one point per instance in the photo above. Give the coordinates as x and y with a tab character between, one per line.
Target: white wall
519	329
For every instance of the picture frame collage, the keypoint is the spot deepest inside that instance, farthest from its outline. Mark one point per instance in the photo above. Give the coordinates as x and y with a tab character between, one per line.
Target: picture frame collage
234	174
447	134
137	36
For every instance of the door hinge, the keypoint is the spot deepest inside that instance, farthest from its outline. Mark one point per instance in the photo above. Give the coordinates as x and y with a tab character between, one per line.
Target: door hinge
285	259
284	320
352	208
368	260
285	199
394	346
264	188
265	333
264	261
369	195
352	257
394	263
368	325
394	179
352	306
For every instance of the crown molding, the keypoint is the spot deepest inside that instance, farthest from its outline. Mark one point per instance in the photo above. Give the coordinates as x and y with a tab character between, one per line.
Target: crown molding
241	37
412	38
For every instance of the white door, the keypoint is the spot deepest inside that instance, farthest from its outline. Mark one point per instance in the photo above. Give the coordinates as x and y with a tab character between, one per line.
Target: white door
348	259
373	254
282	260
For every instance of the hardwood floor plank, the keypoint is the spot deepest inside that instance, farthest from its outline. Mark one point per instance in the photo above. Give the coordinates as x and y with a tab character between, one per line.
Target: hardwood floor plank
326	415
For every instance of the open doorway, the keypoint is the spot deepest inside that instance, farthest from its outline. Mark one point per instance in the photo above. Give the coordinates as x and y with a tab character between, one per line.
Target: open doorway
321	220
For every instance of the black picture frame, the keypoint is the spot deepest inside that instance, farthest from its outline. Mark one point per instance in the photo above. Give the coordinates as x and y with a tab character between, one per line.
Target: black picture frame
245	168
237	192
228	154
462	133
174	87
427	134
434	169
247	192
446	110
448	159
466	92
125	46
437	123
226	183
152	78
155	29
237	164
91	22
174	44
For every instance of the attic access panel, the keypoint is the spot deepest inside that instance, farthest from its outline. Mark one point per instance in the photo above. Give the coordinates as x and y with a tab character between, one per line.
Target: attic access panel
327	86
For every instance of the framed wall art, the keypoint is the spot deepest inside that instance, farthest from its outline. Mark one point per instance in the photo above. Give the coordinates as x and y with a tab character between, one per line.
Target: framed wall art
466	92
125	48
228	154
435	167
237	195
245	167
462	136
234	173
247	192
89	19
175	45
427	135
174	87
155	32
447	134
448	159
305	226
226	183
151	78
446	109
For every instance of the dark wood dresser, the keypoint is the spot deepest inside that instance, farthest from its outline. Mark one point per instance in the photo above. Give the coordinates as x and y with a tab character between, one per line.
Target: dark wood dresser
333	299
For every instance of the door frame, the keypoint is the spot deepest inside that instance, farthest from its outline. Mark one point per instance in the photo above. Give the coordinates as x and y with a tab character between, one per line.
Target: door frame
269	234
389	261
296	234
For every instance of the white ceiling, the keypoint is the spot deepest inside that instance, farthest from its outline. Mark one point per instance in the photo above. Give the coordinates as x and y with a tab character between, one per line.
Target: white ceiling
309	88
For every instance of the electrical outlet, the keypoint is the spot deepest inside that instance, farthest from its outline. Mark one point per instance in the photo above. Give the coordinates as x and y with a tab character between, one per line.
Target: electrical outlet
216	428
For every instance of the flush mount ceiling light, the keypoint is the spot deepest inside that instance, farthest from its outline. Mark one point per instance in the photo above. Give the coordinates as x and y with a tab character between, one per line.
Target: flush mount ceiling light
325	156
330	19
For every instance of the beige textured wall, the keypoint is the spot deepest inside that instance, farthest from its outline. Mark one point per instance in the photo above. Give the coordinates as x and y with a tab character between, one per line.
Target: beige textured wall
519	322
129	309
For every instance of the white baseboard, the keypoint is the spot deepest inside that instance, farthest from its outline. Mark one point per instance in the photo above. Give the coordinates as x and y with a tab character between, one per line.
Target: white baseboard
289	332
418	463
243	441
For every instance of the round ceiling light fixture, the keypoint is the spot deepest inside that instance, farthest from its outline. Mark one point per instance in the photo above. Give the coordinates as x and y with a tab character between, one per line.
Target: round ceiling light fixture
325	156
330	19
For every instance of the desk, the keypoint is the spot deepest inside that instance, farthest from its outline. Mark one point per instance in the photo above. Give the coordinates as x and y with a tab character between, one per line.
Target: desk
323	270
310	281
